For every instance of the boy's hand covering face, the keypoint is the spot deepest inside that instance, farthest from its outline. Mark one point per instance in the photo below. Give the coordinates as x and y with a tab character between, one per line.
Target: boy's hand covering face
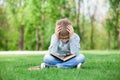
57	30
70	30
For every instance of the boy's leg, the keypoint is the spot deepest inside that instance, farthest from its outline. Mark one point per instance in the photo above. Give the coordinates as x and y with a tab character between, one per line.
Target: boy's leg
72	62
50	60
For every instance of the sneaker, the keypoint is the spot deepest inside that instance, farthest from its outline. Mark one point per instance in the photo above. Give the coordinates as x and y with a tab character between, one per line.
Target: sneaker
79	65
43	65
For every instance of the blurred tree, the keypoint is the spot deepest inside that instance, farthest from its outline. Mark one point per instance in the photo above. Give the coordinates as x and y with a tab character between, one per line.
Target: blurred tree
92	21
113	23
83	19
15	18
78	17
109	29
21	38
3	28
33	23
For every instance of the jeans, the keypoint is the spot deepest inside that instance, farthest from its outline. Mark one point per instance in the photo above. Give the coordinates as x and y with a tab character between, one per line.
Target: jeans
52	61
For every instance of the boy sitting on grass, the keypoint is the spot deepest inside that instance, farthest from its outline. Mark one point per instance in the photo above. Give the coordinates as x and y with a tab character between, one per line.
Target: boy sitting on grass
64	41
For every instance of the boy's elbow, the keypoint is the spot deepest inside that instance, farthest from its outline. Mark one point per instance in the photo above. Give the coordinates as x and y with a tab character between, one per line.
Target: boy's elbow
75	51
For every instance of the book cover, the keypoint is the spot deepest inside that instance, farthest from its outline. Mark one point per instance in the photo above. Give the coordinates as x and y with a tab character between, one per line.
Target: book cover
65	58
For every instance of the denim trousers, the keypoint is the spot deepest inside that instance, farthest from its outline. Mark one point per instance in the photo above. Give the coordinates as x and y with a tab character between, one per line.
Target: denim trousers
52	61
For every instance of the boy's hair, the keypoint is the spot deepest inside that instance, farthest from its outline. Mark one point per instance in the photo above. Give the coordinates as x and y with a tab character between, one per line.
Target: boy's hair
63	23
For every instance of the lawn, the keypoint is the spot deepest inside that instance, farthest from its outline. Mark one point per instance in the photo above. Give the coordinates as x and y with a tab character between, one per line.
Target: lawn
99	65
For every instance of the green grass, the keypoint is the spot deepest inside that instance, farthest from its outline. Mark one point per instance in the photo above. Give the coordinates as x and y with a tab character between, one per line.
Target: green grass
99	65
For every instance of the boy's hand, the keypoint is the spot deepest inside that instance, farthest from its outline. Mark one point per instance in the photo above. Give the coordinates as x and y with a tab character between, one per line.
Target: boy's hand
70	30
57	31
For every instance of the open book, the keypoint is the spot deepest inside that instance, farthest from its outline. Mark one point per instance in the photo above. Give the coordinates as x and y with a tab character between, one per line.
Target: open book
63	58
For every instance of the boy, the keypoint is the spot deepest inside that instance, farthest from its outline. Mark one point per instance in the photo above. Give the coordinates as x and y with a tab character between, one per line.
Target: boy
64	41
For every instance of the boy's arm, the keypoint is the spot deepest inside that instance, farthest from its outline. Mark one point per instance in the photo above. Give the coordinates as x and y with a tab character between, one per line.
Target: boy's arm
53	44
75	44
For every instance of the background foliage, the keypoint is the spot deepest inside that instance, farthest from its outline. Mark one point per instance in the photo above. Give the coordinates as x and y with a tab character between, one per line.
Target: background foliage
29	24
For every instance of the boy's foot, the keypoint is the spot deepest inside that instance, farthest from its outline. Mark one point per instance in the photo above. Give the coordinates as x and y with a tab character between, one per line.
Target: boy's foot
43	65
79	66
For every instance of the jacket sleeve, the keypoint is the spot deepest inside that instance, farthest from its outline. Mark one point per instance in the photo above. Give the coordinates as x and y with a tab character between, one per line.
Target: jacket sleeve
53	44
75	44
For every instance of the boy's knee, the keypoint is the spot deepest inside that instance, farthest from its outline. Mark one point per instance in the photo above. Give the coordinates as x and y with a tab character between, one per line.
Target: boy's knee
48	58
81	58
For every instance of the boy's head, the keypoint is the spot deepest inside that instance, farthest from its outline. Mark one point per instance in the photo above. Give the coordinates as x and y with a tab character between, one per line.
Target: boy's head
64	34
